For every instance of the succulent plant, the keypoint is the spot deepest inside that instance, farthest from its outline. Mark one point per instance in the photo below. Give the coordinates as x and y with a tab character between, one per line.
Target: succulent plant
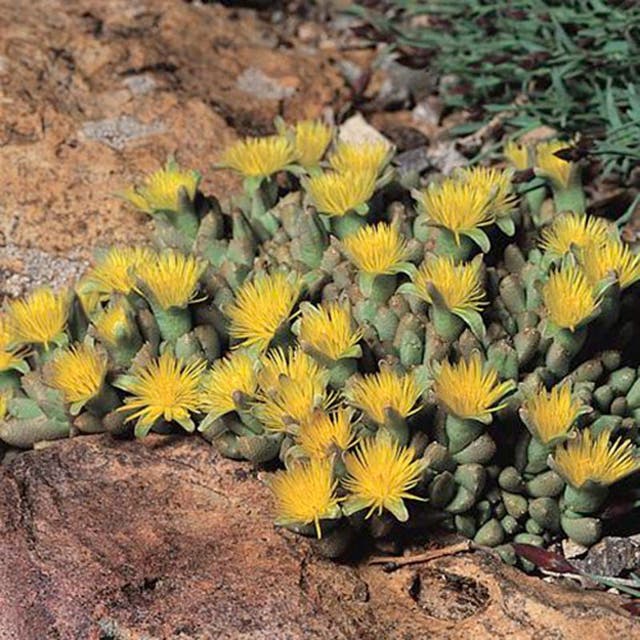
453	356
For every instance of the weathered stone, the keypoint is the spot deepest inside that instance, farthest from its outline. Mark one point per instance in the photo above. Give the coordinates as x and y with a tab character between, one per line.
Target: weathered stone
162	539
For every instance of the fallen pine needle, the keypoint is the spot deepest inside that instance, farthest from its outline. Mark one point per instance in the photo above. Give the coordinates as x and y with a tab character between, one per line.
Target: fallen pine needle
423	557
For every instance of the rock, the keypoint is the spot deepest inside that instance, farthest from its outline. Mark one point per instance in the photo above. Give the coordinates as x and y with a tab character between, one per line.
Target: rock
163	539
118	132
96	94
445	157
357	129
612	556
257	83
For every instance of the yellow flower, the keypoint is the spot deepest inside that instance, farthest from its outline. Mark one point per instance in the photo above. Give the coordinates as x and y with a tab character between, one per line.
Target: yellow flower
10	360
305	494
171	280
291	403
550	166
569	298
377	392
326	433
116	270
4	405
551	414
294	364
261	308
166	388
259	157
496	186
336	194
7	334
573	230
380	475
113	324
613	256
363	157
78	372
160	189
587	458
469	390
330	330
517	154
377	250
311	140
235	374
456	206
458	285
40	318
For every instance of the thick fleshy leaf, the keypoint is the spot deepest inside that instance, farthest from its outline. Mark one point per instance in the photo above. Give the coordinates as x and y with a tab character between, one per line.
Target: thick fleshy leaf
480	238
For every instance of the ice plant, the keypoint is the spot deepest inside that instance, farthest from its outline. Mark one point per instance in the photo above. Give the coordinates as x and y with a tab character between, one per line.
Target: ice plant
550	415
259	157
262	308
327	433
600	260
387	398
311	139
573	231
517	154
470	389
329	330
161	190
115	270
380	475
496	185
40	318
569	298
453	288
377	249
170	280
361	157
306	495
294	364
11	357
111	325
79	372
550	165
292	403
459	208
594	459
229	385
337	194
561	174
167	388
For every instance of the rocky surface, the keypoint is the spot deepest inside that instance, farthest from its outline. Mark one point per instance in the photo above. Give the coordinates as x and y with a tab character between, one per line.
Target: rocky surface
93	94
163	539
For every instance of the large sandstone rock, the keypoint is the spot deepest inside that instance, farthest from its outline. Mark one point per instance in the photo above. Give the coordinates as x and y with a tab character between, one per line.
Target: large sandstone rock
165	540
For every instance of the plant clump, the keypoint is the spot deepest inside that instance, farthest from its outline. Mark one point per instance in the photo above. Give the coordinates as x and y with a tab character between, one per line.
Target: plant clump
458	356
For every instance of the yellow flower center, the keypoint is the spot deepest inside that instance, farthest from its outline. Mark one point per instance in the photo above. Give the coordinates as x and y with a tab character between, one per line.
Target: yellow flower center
569	298
259	157
458	285
336	194
470	390
377	250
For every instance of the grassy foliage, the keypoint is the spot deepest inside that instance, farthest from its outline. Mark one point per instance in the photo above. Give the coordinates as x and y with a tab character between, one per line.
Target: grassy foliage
574	64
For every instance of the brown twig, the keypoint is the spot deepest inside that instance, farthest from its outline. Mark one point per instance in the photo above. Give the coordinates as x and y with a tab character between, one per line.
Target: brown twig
427	556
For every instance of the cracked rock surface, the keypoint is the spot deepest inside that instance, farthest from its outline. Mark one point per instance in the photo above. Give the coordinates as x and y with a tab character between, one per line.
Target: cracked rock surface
163	539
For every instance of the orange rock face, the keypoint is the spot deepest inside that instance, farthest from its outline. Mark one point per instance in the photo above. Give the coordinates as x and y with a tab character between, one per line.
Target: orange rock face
163	539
